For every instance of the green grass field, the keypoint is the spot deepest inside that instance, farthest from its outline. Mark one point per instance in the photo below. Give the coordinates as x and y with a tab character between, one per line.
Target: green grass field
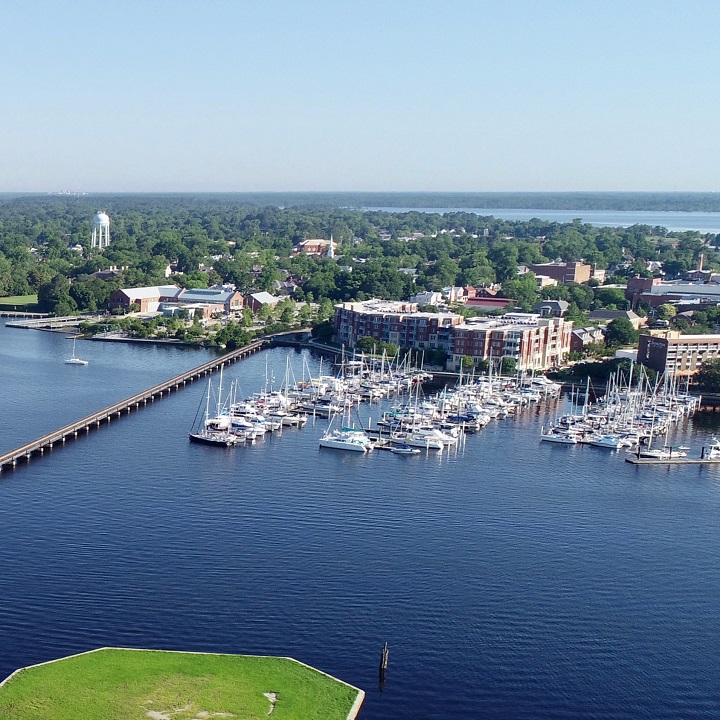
112	684
25	303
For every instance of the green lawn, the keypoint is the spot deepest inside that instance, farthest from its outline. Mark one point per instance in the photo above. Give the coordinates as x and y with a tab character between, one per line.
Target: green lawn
112	684
18	302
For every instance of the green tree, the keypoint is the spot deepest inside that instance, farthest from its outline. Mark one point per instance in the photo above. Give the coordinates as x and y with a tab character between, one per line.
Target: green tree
621	332
708	376
523	288
666	311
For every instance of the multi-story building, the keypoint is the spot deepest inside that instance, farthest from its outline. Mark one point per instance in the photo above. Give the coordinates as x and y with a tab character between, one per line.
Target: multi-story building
670	352
532	341
563	272
395	322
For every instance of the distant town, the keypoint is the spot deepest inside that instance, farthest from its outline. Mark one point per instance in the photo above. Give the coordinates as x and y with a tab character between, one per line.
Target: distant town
465	290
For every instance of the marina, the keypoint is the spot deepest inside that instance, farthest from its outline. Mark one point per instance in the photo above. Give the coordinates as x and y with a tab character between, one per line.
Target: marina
507	575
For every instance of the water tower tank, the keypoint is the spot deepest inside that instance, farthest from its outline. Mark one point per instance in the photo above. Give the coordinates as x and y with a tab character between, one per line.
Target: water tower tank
100	230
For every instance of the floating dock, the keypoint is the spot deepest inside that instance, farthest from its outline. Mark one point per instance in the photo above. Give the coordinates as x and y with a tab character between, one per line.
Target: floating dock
672	461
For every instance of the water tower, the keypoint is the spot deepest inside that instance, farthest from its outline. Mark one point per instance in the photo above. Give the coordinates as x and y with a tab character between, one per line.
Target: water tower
100	231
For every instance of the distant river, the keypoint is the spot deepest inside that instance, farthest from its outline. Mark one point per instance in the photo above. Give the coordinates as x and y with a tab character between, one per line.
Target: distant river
512	580
704	222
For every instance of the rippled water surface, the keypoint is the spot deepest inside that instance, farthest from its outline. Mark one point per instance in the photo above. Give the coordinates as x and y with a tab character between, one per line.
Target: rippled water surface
514	579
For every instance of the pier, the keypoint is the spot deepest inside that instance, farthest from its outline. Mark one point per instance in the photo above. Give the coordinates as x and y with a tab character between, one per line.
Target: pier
672	461
37	321
124	407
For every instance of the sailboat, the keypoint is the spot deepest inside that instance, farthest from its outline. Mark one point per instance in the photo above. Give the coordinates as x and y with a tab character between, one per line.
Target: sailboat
209	435
74	359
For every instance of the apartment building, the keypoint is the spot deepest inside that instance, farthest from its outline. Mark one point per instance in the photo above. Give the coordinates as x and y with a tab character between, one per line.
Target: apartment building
395	322
532	341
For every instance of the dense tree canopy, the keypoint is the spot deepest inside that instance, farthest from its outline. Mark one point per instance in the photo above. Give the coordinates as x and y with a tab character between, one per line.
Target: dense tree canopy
212	239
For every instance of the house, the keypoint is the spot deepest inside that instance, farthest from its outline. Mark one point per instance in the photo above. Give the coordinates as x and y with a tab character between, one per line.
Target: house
427	298
610	315
454	294
108	273
582	337
551	308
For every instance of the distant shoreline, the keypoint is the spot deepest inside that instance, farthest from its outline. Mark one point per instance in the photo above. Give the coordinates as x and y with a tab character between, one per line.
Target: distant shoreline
567	200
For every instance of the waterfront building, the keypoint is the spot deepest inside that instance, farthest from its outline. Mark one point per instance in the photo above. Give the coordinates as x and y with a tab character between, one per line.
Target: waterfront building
671	352
147	299
228	299
532	341
393	321
150	299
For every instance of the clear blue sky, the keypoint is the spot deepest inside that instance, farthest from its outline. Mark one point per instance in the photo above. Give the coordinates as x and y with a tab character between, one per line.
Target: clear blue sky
467	95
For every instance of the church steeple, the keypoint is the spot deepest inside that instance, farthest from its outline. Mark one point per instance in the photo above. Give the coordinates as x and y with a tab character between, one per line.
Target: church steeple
331	249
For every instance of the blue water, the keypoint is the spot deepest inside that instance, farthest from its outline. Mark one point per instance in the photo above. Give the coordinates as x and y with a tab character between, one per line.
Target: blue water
516	579
704	222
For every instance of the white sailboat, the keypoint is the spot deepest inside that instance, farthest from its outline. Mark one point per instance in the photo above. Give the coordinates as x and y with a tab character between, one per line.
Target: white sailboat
74	359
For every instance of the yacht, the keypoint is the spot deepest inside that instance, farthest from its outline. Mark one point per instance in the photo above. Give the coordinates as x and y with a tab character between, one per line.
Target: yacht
346	439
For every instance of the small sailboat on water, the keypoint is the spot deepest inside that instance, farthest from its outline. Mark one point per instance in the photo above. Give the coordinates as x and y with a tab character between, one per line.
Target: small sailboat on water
74	359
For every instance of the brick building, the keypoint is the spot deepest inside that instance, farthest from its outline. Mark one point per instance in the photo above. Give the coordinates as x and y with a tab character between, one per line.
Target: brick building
533	342
563	272
396	322
682	355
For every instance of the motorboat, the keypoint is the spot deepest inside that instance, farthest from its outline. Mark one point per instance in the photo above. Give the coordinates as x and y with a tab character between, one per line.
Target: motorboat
562	438
612	442
346	439
404	449
713	452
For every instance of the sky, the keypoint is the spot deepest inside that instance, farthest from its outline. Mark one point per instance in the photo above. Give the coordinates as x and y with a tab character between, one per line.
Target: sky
362	95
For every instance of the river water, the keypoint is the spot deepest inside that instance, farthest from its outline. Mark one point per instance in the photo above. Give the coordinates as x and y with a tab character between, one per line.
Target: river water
704	222
515	579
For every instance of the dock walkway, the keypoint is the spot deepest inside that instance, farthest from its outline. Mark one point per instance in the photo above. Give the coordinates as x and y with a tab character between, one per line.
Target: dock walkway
672	461
135	402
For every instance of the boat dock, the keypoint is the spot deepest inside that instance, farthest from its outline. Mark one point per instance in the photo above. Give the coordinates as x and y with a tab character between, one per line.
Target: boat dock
135	402
673	461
